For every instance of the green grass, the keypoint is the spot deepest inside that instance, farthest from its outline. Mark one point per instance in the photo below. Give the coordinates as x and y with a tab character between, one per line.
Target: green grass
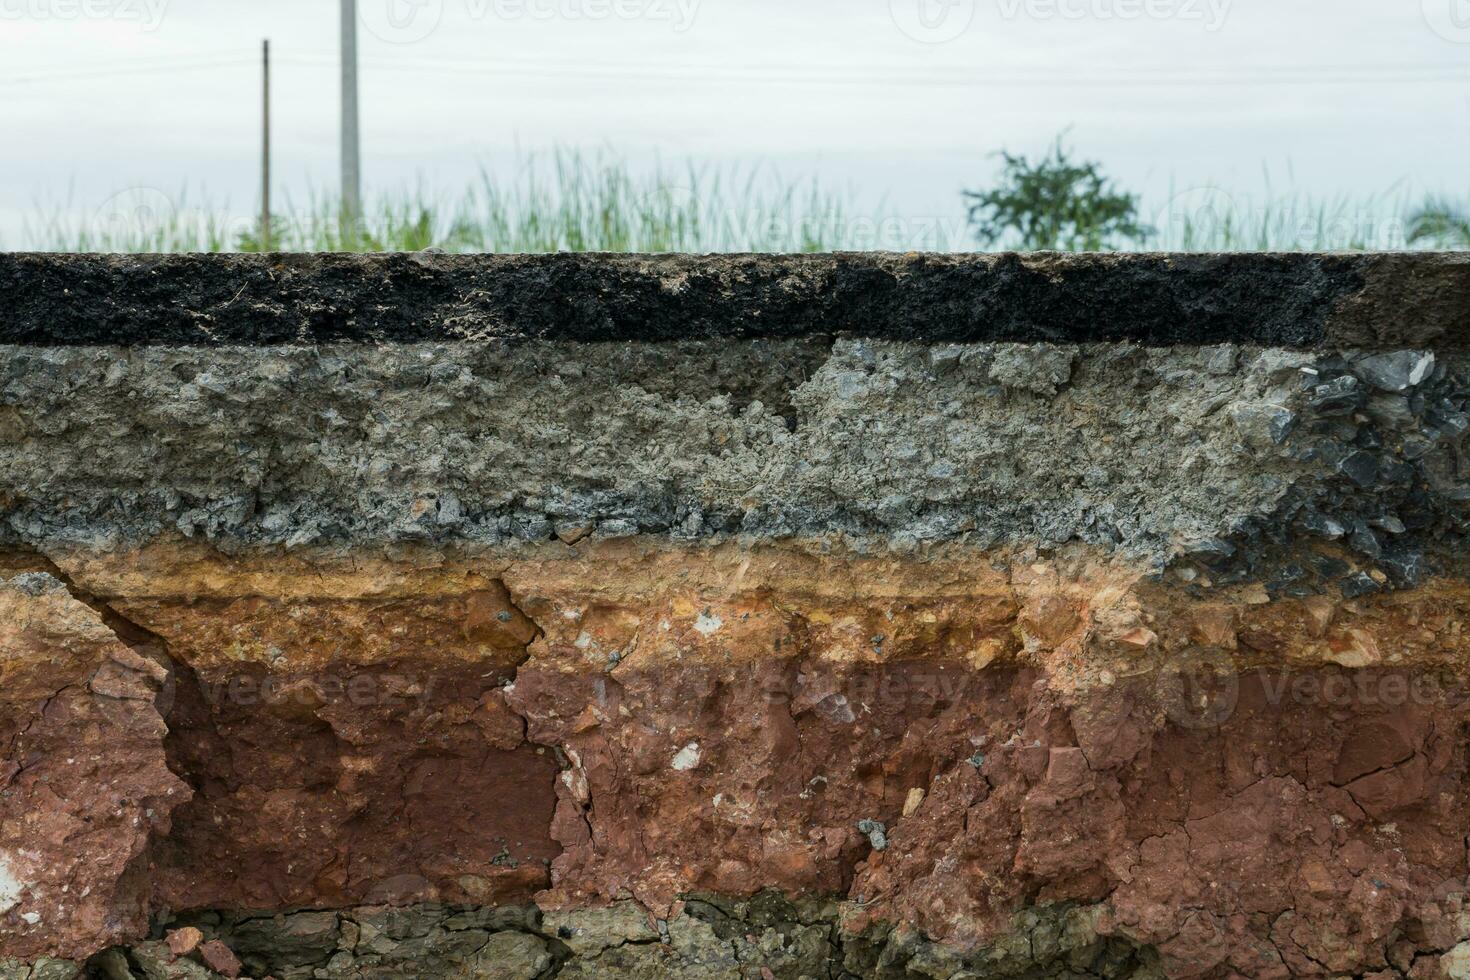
570	201
134	220
1212	219
1443	223
574	201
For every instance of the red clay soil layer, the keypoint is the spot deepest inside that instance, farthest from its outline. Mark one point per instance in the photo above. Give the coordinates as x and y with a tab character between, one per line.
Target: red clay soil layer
1313	831
1251	788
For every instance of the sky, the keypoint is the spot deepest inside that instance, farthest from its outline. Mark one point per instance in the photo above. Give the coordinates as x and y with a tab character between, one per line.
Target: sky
899	104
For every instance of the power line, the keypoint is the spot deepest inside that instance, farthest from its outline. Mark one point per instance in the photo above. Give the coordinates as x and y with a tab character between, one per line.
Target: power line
949	76
161	69
507	64
931	80
899	76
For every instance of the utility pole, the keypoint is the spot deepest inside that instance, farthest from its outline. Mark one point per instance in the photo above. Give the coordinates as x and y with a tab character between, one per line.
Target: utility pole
265	147
351	161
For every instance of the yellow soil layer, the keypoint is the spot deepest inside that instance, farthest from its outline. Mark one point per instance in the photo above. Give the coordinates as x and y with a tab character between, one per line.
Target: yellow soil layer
54	629
636	604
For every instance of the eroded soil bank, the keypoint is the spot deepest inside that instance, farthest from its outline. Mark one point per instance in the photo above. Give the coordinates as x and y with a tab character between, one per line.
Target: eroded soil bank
836	648
1183	785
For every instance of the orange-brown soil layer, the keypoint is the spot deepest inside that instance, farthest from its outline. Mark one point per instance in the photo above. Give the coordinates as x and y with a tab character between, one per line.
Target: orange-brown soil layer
1257	788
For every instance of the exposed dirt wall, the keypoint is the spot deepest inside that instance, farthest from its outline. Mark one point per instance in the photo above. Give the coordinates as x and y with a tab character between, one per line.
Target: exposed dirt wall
822	617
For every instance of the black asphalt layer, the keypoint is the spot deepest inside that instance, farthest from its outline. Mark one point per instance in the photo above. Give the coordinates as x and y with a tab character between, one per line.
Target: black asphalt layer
1306	301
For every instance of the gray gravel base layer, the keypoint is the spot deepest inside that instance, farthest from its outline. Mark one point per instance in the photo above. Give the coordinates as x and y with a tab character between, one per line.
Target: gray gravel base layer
1152	452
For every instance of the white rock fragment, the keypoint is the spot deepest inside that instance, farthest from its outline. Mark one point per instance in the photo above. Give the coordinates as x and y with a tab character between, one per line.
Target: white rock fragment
707	624
687	757
11	887
914	800
1456	963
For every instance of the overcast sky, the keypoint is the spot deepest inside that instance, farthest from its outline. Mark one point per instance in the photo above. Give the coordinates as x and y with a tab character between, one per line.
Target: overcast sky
903	101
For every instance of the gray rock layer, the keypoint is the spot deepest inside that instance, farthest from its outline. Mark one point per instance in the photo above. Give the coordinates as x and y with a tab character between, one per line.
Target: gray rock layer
1210	454
713	939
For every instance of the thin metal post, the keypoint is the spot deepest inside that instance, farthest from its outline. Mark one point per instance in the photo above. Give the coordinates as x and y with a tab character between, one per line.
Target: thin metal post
265	147
351	159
